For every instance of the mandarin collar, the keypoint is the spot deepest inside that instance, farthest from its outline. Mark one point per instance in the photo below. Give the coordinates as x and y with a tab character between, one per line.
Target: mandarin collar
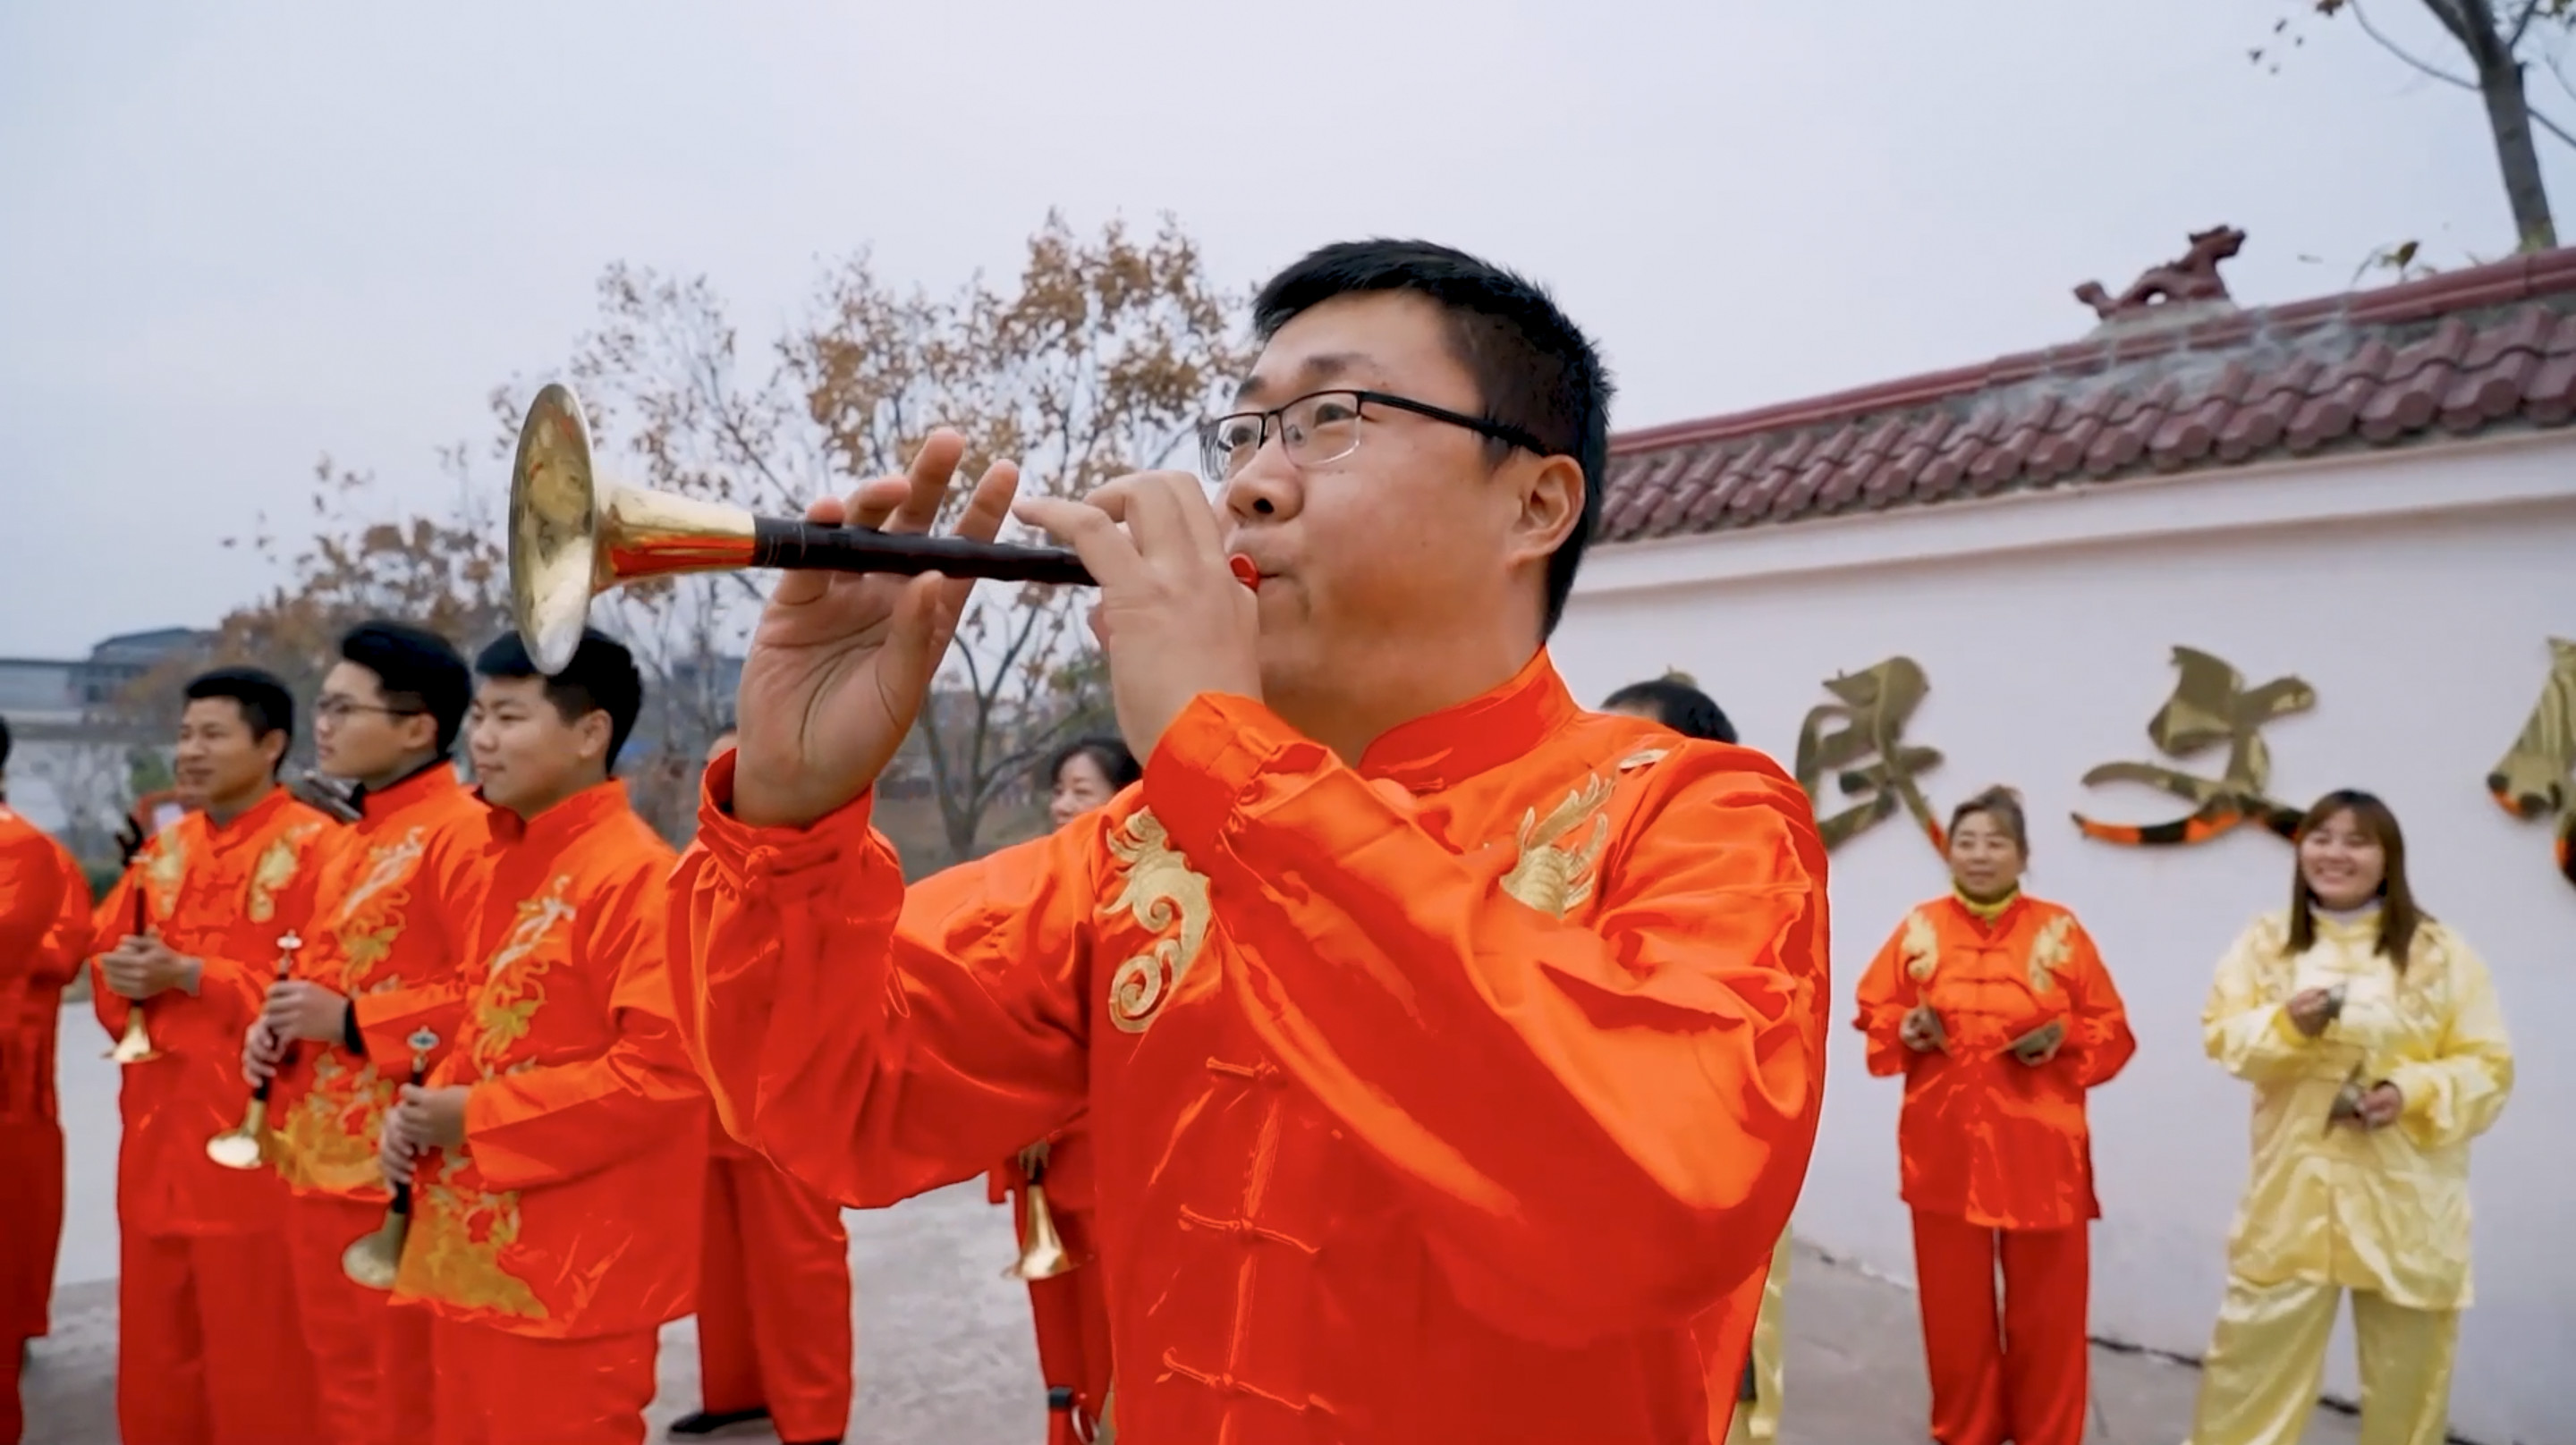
422	783
249	820
560	824
1999	919
1443	749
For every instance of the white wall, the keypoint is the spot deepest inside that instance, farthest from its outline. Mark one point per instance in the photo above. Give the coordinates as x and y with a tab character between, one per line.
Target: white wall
2416	592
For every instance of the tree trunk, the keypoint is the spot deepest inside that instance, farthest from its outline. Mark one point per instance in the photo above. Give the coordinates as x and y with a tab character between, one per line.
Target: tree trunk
2509	117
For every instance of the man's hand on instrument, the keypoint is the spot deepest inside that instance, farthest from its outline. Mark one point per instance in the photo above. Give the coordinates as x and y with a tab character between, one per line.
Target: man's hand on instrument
1174	619
300	1010
2041	1044
262	1052
839	663
140	967
421	1119
1922	1031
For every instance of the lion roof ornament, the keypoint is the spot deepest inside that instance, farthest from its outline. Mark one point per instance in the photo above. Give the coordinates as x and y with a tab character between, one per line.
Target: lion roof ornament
2189	288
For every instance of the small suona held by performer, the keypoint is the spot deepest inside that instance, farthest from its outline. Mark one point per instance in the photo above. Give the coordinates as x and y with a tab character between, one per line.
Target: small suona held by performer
1998	1012
209	1347
1370	809
2367	1193
774	1328
394	913
557	1152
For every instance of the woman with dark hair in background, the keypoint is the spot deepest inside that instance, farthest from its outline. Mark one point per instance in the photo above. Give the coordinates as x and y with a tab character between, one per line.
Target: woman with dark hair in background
1071	1312
1998	1012
2373	1040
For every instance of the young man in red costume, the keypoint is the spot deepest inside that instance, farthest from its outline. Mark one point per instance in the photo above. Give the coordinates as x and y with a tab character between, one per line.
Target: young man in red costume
396	911
1453	1053
209	1349
557	1152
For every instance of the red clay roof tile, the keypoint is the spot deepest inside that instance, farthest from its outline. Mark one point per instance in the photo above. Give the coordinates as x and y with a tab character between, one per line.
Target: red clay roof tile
2477	350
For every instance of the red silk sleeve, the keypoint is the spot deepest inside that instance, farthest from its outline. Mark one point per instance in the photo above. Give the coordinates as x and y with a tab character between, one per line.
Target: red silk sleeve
876	1044
2098	1041
1886	995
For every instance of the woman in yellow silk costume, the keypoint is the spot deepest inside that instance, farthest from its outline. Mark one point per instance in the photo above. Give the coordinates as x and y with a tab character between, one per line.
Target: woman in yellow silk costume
2372	1037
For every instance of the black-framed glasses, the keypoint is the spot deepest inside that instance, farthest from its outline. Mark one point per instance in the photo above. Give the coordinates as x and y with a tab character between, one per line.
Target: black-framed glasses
1324	426
340	709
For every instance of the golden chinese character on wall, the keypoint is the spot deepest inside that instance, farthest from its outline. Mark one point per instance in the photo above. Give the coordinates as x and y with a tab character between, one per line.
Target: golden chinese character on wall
2536	778
1860	741
2210	705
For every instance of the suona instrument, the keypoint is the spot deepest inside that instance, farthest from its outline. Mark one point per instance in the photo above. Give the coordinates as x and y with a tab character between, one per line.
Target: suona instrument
1042	1251
376	1259
134	1046
246	1143
573	537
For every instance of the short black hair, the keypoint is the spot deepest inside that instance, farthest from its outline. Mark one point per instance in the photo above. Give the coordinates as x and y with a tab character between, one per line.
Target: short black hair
266	706
419	671
1533	367
601	677
1677	705
1106	752
4	742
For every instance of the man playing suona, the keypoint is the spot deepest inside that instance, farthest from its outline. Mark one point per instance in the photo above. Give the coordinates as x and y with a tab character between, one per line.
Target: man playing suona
394	912
773	1295
557	1152
208	1345
1453	1054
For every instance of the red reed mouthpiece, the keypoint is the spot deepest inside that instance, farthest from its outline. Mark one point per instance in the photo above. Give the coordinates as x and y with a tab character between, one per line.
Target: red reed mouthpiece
1244	571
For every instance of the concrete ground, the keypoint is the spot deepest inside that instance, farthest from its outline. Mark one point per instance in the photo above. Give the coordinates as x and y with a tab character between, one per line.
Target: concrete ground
945	1355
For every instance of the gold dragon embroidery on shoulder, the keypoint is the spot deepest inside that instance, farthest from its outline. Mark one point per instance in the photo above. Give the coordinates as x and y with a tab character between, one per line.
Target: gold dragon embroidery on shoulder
366	938
507	1004
163	874
1920	948
1160	892
454	1254
276	869
2048	951
1552	875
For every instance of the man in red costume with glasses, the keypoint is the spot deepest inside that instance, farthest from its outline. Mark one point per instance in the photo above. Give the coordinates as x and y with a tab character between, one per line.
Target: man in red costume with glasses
1452	1053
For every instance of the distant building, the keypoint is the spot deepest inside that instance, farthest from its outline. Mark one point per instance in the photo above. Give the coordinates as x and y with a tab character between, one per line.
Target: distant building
68	763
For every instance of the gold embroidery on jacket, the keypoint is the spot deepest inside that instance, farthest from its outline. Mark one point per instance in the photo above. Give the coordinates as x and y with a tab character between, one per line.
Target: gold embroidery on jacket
163	875
328	1140
1643	758
506	1006
367	936
1551	876
1159	892
275	870
2049	950
457	1238
1921	947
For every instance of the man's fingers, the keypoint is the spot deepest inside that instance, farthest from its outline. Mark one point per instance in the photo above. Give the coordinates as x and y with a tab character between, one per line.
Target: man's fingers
933	467
1092	533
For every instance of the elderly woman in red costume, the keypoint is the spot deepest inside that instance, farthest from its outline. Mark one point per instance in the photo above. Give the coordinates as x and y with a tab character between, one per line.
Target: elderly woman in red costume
1997	1010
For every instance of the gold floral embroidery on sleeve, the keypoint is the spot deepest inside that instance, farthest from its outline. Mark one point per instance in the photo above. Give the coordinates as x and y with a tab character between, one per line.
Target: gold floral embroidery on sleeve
1163	894
166	870
276	869
506	1006
2048	951
1921	947
1552	876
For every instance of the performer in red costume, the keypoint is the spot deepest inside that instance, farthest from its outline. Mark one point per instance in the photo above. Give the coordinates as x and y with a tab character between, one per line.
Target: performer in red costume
1453	1053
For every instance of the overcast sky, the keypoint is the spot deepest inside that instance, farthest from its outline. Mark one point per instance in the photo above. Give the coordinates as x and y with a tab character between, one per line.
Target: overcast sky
235	236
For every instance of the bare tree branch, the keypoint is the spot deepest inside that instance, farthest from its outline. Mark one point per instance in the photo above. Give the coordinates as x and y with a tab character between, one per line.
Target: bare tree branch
2393	48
